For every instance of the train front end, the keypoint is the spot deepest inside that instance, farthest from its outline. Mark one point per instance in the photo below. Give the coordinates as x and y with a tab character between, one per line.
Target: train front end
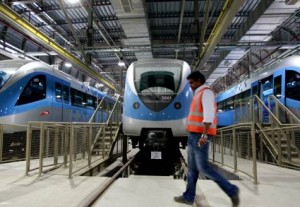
156	102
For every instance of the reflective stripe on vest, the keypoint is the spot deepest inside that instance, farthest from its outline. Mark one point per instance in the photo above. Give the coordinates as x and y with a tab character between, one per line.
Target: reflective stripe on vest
195	118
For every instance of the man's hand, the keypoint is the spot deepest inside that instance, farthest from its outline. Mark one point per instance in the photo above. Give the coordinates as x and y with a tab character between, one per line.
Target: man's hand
202	140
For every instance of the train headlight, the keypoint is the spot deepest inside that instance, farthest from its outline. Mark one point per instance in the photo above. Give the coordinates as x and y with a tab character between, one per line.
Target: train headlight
177	105
136	105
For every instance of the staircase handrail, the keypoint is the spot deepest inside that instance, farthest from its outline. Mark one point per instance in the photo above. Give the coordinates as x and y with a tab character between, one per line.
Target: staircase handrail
270	143
282	106
277	121
106	124
96	110
114	107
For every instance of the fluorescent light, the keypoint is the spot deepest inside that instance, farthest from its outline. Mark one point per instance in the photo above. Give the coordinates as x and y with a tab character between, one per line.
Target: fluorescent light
72	1
98	85
121	63
68	65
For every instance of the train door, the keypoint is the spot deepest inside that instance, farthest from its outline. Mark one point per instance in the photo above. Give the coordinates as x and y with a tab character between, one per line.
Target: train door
61	101
278	92
255	90
263	89
266	86
266	89
66	106
278	79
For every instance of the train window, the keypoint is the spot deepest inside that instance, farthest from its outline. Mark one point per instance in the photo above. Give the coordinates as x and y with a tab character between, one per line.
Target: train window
220	106
158	82
58	91
277	86
90	101
35	90
157	78
66	94
81	99
229	104
3	78
292	84
77	97
267	86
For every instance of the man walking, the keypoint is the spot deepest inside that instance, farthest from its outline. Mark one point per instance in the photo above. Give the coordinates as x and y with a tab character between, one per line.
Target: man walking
201	125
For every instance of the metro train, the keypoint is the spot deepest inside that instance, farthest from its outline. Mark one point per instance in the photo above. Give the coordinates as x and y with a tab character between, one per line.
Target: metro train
157	97
281	80
34	91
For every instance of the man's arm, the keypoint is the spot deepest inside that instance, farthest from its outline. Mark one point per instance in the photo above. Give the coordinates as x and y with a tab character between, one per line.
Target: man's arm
208	102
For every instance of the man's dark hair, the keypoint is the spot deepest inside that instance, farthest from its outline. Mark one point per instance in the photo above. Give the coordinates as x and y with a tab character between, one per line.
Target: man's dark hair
196	75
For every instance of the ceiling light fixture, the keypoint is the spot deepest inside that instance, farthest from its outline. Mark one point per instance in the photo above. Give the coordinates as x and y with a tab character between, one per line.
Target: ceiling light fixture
68	65
121	62
72	1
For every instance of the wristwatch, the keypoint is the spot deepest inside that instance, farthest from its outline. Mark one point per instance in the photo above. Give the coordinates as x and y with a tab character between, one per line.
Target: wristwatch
204	136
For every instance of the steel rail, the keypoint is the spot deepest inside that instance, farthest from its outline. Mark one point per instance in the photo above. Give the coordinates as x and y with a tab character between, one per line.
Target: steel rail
92	200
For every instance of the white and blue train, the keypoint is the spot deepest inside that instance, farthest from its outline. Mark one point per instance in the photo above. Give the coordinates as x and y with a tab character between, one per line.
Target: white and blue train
281	80
34	91
156	102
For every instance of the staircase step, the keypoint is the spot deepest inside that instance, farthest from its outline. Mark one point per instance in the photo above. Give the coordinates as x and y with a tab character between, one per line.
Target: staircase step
293	154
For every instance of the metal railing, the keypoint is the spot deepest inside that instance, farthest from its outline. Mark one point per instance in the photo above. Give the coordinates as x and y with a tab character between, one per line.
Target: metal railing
278	138
235	147
51	145
73	146
281	112
258	134
114	117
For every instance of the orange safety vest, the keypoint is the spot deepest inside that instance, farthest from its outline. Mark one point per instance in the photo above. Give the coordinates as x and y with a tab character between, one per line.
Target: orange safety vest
195	118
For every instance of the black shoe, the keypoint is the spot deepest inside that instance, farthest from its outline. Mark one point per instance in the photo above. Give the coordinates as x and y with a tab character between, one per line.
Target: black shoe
181	199
235	199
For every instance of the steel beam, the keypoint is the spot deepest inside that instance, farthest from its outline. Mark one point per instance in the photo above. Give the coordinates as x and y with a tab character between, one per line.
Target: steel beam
221	26
255	15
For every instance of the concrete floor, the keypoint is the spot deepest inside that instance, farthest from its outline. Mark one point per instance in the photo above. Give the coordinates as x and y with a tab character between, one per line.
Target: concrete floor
278	187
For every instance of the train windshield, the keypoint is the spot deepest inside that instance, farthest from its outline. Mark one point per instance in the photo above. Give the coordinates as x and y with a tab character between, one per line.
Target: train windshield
3	78
159	78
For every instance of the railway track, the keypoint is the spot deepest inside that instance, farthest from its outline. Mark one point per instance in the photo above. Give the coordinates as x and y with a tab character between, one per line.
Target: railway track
180	173
94	197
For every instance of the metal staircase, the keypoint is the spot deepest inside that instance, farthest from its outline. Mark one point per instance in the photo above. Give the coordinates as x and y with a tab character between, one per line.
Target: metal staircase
277	130
107	135
280	145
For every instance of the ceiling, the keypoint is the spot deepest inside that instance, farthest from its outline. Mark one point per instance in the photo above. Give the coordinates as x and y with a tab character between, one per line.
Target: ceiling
226	40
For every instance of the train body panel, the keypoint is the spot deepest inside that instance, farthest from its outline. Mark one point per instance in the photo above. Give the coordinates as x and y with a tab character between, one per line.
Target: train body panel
34	91
176	126
281	80
162	119
157	96
168	113
225	118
